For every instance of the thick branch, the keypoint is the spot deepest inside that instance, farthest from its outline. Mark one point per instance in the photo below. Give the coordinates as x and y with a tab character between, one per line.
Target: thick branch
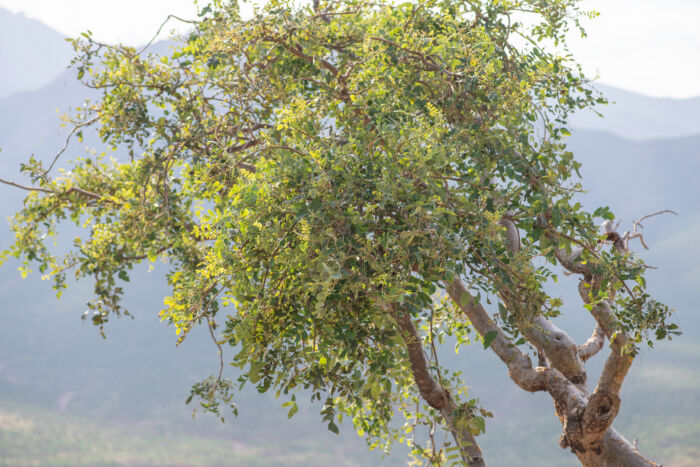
435	395
556	344
619	361
593	345
604	403
618	451
512	235
585	421
468	447
570	261
429	389
519	364
613	450
560	349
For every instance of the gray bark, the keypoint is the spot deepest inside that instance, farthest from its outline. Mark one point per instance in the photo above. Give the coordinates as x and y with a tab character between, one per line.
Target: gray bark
586	419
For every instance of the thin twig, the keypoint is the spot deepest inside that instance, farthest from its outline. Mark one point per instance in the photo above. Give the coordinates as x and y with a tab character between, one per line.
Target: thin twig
221	351
87	193
65	145
28	188
639	222
635	234
160	28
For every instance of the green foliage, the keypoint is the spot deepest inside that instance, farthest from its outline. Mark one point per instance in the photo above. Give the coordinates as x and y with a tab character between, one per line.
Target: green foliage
311	168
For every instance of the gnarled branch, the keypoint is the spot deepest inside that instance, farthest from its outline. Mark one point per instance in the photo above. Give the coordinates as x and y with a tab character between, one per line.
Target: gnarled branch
593	345
556	344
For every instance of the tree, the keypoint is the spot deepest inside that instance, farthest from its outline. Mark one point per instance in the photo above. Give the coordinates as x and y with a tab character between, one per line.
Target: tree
353	180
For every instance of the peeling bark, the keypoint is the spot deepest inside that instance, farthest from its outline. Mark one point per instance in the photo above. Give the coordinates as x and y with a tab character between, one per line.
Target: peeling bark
554	343
519	364
586	419
589	433
557	346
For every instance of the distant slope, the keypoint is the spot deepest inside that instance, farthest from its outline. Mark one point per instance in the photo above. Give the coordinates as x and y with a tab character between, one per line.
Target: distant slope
638	178
30	123
31	53
68	397
641	118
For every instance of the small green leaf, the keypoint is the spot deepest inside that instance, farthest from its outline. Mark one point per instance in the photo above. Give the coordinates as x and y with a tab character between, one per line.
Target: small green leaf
480	424
465	300
489	337
293	409
315	204
333	427
502	310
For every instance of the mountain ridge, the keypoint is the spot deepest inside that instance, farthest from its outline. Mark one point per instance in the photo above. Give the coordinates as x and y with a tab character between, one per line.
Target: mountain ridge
638	117
37	54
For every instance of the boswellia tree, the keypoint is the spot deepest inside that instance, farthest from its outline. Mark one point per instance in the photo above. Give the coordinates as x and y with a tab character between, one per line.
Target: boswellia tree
337	189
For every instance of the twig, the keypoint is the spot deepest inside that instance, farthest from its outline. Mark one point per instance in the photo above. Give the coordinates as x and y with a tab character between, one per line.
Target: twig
635	234
160	28
593	345
221	351
65	145
639	222
28	188
87	193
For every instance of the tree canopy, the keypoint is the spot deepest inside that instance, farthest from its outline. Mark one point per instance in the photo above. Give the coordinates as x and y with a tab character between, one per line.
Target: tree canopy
335	189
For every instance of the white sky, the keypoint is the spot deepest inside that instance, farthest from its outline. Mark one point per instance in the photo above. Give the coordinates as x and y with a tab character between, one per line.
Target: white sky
647	46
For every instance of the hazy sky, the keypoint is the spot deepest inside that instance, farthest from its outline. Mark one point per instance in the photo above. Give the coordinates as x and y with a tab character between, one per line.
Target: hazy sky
646	46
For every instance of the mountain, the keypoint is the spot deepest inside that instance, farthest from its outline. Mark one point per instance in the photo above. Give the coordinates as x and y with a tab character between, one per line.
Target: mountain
30	120
641	118
31	53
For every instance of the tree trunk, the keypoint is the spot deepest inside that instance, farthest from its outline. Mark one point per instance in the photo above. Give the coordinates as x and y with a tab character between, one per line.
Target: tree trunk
613	450
586	419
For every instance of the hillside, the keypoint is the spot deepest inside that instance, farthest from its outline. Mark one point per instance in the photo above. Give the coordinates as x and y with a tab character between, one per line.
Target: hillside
32	54
641	118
